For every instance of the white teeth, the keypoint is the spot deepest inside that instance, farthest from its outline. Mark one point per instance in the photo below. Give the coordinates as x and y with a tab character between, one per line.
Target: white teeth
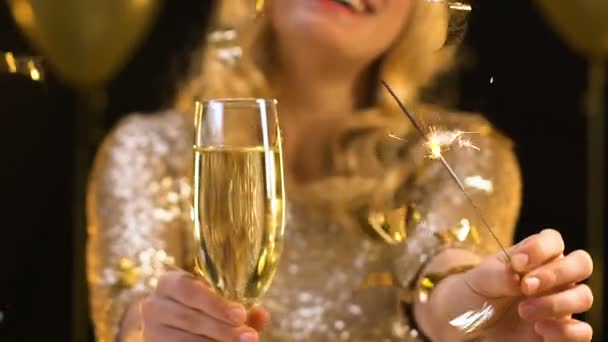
355	5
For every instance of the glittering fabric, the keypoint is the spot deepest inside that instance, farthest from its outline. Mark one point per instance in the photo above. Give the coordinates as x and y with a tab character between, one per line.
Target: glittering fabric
333	283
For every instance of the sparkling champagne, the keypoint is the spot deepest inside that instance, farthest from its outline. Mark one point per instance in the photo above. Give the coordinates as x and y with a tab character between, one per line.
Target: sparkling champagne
238	218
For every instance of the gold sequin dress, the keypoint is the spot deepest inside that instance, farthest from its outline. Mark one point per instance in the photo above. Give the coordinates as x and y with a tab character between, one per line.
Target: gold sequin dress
333	283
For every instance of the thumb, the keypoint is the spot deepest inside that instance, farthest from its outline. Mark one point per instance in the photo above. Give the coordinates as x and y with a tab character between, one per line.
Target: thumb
257	318
493	278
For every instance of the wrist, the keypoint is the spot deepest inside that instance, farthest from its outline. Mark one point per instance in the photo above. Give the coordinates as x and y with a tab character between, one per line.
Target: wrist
440	292
449	263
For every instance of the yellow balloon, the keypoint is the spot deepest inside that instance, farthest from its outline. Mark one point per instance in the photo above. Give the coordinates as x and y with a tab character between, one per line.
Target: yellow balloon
583	23
85	41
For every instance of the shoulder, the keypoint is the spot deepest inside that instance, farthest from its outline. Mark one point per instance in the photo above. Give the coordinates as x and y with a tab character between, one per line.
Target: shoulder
150	135
140	128
142	148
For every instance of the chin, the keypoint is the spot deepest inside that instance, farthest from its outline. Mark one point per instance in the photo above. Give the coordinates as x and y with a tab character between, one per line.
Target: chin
311	18
314	27
322	34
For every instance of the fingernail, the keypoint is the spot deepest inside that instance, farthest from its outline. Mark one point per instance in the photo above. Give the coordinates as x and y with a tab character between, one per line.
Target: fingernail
237	315
532	284
248	337
519	261
528	308
516	278
544	328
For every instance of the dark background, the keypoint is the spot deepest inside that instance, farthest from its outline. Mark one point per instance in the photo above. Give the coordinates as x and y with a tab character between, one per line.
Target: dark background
536	98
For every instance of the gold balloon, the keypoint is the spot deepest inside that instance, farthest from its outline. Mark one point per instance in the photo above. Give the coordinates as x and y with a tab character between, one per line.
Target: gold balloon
85	41
583	23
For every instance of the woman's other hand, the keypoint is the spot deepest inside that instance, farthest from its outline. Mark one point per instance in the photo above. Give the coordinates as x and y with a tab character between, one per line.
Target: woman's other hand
183	308
536	294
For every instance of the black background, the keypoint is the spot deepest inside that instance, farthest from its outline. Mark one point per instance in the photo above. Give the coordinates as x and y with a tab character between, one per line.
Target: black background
536	98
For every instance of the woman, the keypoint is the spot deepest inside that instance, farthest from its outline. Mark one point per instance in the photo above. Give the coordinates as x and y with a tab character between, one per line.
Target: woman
347	179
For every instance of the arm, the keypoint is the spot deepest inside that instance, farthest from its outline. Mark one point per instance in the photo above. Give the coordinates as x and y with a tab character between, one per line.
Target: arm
135	222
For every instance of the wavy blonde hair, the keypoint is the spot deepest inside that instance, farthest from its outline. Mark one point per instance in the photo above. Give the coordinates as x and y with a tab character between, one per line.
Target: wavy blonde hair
410	64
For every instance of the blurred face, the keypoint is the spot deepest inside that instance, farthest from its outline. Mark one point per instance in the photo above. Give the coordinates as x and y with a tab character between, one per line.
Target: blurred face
352	30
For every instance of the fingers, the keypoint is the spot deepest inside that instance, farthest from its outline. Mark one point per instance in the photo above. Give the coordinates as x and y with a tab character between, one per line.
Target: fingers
258	318
577	299
569	330
164	311
574	268
493	279
161	334
186	289
537	250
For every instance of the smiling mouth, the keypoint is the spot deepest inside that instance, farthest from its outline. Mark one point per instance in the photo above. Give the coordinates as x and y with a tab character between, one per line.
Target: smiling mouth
356	6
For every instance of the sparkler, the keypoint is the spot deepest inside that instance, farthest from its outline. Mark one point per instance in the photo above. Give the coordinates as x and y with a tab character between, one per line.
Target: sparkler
436	142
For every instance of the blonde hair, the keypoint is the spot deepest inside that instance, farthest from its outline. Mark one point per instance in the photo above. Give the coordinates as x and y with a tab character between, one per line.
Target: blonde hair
410	64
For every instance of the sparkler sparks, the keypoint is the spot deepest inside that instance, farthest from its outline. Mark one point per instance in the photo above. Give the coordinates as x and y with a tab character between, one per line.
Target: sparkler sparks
394	136
436	143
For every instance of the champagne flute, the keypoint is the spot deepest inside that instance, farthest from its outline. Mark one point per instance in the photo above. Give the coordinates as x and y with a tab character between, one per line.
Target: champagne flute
238	206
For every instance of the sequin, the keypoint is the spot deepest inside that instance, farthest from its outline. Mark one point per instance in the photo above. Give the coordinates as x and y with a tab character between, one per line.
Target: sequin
129	273
472	320
479	183
139	211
